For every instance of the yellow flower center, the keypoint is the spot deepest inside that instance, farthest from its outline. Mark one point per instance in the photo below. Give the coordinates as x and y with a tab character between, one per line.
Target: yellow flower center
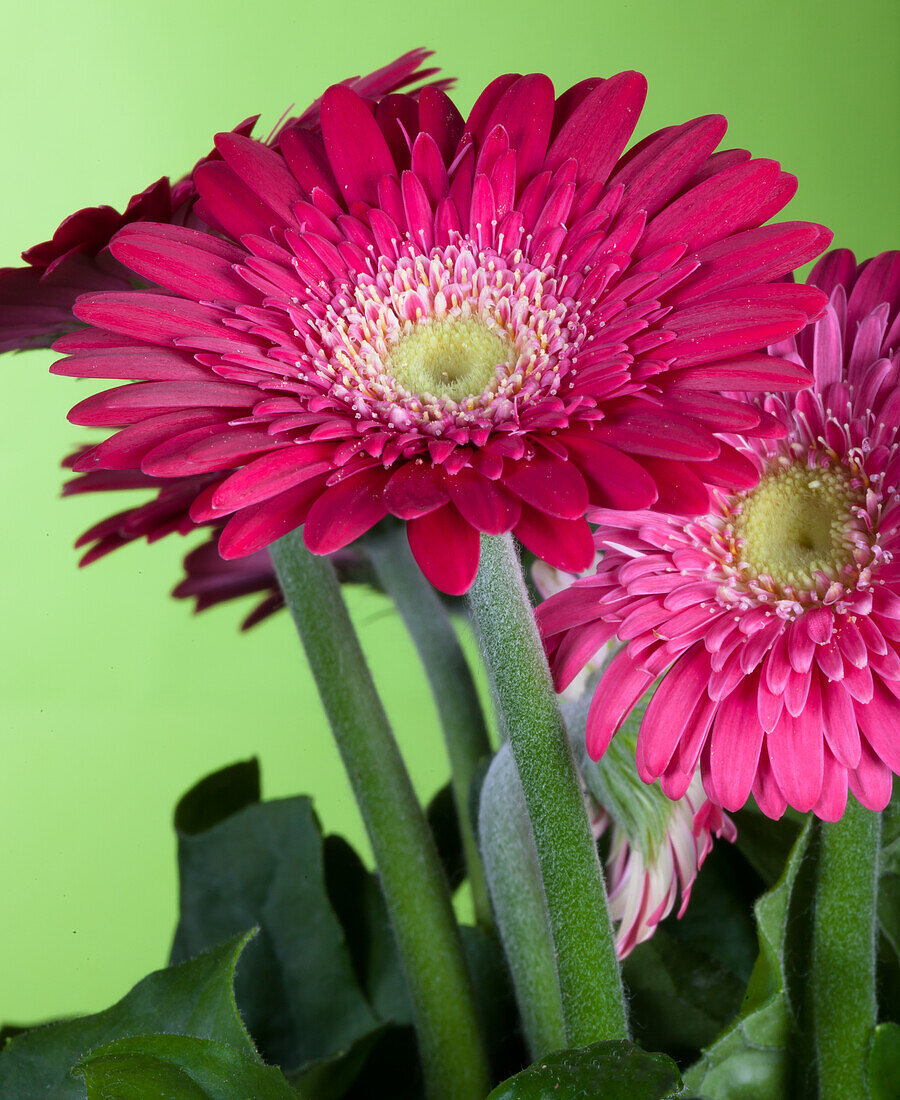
795	523
454	358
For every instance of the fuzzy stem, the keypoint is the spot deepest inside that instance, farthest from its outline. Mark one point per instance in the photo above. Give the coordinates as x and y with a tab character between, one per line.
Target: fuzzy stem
844	944
418	900
452	686
589	977
510	863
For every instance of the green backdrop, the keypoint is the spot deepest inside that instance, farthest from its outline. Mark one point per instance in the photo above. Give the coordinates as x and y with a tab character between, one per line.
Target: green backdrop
114	699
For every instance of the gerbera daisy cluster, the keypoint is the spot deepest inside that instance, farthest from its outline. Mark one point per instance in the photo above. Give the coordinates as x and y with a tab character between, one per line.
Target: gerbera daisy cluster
476	325
773	619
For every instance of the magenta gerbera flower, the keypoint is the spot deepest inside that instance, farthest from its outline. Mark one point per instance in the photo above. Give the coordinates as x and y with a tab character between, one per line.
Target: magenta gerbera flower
774	619
479	326
37	301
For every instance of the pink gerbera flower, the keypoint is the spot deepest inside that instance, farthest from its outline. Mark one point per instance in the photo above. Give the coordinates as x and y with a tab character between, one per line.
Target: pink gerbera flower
479	326
644	874
37	301
774	619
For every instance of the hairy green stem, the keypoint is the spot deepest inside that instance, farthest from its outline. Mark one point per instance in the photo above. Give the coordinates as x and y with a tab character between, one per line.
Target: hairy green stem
844	945
589	977
451	682
415	889
510	862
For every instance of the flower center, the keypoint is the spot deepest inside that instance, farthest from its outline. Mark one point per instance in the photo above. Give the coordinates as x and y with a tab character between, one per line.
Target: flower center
453	358
797	523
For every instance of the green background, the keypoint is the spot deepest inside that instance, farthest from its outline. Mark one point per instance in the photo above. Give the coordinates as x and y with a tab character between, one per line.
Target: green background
114	699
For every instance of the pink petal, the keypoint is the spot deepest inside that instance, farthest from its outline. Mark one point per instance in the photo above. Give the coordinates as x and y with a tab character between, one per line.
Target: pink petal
262	524
722	329
125	404
526	112
180	260
719	206
439	117
673	704
566	544
613	479
796	750
345	511
879	721
842	729
357	151
657	433
233	206
549	484
766	790
871	781
734	745
263	171
658	167
599	128
833	799
746	372
415	489
620	687
156	318
272	474
446	548
679	490
482	503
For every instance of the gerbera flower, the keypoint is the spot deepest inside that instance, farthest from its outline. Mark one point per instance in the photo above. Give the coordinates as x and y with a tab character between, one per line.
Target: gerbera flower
37	301
644	874
774	619
479	326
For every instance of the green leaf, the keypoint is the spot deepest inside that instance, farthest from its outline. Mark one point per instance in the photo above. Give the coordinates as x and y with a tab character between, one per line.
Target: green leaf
766	844
358	902
680	997
615	1070
178	1067
243	862
884	1062
194	998
444	824
330	1078
750	1060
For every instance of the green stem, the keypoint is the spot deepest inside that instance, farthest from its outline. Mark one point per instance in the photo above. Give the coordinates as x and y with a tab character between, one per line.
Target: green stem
589	978
452	686
844	943
518	895
418	900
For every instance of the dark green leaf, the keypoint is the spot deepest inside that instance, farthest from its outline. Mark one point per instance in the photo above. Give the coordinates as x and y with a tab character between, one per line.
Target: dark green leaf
765	843
680	997
194	998
243	863
750	1060
392	1070
494	1000
884	1062
178	1067
444	825
330	1078
358	902
614	1070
